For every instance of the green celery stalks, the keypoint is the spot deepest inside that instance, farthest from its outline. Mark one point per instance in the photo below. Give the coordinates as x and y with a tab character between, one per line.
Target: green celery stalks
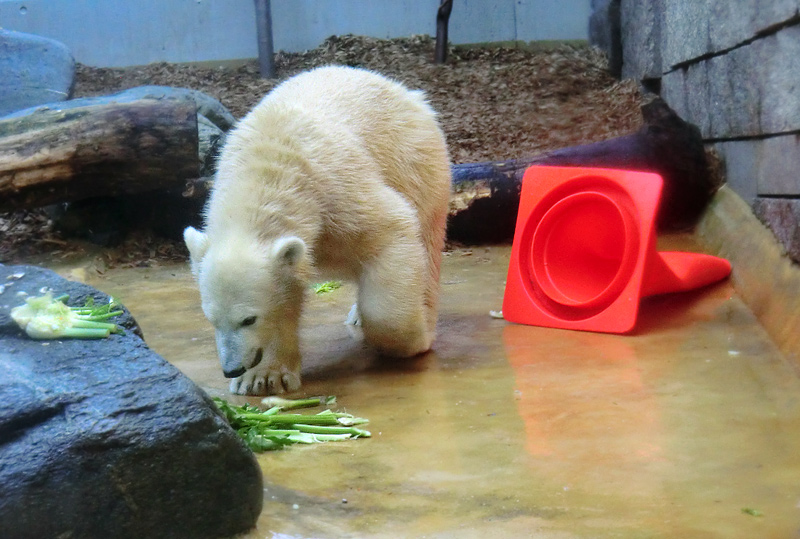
292	419
84	333
270	430
322	429
294	404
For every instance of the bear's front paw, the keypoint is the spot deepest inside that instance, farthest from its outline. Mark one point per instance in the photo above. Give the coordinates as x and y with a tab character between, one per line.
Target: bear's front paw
282	382
250	383
265	382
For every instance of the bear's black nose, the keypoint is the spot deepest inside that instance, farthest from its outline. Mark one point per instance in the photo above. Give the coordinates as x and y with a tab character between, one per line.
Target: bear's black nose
234	373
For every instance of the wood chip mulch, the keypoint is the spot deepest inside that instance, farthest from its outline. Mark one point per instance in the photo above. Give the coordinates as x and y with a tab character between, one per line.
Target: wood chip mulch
494	104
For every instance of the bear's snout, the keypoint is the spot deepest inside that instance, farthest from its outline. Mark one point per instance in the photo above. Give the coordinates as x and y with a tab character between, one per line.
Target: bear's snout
234	373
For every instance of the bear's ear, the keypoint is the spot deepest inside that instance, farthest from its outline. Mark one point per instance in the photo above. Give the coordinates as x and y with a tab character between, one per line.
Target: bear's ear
289	251
197	242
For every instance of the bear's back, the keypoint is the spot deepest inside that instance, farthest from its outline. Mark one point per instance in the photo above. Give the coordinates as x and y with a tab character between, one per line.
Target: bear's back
394	125
329	154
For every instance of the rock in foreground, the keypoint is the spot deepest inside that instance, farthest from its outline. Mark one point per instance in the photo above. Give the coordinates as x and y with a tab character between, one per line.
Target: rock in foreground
104	438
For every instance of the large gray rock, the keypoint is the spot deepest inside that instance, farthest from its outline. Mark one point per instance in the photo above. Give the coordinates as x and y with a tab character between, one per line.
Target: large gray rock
106	439
33	70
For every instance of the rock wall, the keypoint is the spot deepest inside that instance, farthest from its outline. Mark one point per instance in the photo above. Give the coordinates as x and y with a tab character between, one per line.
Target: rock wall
731	67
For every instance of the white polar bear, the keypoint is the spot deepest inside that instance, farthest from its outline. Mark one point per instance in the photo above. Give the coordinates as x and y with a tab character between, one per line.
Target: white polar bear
336	173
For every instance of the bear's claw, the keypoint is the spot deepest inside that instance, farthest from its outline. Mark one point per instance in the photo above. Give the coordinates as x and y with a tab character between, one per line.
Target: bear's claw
265	382
282	382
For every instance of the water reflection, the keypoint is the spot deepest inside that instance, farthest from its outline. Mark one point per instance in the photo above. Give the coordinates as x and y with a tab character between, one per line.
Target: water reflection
561	405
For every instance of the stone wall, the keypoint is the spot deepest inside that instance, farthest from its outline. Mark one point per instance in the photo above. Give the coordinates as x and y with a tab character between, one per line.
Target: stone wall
731	67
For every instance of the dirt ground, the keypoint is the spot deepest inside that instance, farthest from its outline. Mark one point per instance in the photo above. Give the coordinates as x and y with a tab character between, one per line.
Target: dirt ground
494	104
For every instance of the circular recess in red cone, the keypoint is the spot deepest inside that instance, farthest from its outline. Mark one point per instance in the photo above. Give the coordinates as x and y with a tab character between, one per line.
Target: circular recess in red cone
583	250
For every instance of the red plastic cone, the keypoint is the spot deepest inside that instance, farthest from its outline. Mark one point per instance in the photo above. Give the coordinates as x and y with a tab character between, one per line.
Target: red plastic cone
584	250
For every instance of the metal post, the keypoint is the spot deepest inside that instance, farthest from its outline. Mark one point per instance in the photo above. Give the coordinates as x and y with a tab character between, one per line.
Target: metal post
442	20
266	58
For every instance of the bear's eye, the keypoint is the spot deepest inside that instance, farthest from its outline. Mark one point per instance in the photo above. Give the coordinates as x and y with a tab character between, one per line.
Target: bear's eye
249	321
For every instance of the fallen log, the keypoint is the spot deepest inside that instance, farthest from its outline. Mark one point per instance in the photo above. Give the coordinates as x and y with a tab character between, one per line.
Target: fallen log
56	155
483	207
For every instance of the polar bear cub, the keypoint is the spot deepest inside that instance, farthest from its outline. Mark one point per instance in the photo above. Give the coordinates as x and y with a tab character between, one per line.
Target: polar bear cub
337	173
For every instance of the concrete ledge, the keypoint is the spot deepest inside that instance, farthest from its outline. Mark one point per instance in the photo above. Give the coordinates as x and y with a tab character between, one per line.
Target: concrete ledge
765	278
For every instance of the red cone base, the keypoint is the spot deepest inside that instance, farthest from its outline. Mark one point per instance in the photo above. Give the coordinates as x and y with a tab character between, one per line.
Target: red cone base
584	250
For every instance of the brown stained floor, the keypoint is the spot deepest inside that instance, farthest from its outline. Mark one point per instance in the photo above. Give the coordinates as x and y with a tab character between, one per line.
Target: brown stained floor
517	431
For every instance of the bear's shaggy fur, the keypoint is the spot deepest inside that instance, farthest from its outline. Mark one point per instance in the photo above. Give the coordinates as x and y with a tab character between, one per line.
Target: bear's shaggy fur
337	173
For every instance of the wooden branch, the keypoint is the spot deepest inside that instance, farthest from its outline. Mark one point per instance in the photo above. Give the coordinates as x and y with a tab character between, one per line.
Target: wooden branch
118	148
483	208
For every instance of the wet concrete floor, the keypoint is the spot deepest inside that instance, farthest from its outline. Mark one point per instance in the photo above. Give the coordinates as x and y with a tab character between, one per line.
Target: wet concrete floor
688	427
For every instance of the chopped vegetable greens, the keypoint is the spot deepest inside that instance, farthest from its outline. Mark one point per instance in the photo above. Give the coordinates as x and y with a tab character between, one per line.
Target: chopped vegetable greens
294	404
45	317
327	286
752	512
266	430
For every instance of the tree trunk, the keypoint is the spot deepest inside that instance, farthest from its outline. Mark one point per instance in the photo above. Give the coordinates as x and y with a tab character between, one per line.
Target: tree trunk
483	208
102	150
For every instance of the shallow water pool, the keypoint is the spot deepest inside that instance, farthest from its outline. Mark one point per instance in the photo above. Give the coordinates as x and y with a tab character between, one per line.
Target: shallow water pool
689	427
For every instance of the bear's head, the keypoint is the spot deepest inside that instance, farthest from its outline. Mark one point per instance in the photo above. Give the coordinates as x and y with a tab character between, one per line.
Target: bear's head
249	289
